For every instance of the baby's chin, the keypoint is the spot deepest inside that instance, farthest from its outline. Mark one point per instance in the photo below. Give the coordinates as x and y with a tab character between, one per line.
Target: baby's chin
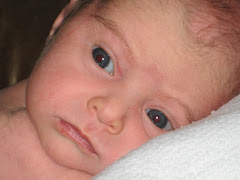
67	154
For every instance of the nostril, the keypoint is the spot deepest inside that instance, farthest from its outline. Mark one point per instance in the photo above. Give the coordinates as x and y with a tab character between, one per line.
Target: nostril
116	127
94	108
108	112
93	105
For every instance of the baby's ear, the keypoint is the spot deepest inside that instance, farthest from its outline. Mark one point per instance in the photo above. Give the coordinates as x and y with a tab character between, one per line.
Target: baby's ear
58	21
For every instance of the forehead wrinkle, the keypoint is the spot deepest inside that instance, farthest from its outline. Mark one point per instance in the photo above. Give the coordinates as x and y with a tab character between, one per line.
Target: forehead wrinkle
113	27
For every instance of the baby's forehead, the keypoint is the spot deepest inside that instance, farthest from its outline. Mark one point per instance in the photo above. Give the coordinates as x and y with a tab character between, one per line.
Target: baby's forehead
205	23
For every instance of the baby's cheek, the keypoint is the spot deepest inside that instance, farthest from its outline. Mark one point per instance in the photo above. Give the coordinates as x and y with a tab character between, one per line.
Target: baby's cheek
93	128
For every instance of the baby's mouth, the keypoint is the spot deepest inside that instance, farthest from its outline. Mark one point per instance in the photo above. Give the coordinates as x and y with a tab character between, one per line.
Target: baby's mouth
77	136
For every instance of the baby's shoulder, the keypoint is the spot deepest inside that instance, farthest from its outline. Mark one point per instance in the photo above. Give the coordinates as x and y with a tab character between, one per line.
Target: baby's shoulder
3	118
11	117
17	141
12	121
12	99
9	143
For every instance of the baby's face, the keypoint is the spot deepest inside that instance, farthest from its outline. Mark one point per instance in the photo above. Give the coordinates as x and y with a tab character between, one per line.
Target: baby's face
110	84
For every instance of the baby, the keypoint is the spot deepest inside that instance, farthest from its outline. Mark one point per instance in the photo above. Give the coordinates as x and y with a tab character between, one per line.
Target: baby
115	74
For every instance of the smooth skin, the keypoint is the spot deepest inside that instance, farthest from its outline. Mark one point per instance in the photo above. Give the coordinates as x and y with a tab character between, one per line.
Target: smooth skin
153	69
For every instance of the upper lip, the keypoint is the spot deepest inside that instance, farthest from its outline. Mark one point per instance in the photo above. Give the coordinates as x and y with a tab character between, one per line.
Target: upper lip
76	135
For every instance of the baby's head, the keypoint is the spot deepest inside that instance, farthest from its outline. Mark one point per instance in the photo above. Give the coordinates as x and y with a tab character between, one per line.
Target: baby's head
118	73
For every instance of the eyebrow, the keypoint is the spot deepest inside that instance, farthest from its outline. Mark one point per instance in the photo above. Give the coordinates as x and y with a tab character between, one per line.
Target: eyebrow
112	26
189	112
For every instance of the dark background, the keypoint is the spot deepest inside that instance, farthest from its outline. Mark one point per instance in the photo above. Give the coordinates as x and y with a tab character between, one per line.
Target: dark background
24	26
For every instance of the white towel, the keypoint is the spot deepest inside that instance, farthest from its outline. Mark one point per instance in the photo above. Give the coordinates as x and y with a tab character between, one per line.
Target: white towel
207	149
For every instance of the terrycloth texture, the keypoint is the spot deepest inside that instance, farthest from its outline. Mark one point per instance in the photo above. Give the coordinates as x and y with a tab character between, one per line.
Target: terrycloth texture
208	149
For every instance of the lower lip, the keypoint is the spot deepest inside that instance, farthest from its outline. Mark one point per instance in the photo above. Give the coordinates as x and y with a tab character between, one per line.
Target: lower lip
77	136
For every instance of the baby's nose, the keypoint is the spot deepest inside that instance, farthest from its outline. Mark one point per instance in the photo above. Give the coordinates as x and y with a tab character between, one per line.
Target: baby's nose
109	111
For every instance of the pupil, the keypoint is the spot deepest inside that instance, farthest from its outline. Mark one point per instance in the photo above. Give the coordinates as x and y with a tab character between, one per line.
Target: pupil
100	58
156	119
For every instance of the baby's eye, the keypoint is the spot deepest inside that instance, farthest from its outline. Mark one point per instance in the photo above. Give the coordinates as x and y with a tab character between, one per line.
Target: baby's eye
103	60
159	119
